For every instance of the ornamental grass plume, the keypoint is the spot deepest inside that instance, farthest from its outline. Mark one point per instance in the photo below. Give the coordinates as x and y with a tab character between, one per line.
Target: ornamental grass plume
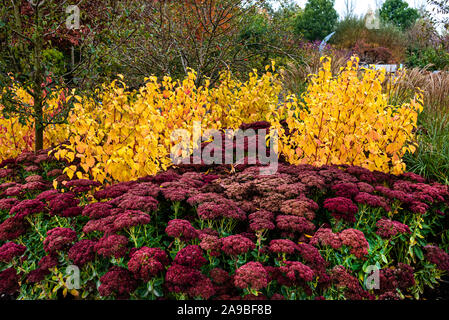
251	276
112	246
59	239
191	256
146	263
341	208
118	282
82	252
181	229
236	244
10	250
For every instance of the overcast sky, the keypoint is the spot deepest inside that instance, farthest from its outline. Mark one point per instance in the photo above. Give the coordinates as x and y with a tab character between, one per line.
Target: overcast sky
362	6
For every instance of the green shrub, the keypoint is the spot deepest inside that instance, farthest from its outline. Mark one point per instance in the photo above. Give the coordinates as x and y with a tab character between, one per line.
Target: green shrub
318	20
432	58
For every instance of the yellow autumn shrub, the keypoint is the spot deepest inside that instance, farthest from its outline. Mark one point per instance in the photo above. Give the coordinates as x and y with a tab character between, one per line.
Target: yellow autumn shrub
346	119
16	137
125	134
118	134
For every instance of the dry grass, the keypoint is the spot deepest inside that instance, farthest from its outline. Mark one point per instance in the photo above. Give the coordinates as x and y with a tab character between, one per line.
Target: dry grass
435	86
296	74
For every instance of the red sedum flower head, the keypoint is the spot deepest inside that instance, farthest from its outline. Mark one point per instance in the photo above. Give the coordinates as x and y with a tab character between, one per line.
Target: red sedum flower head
236	244
112	246
10	250
341	208
118	282
59	239
282	246
146	263
190	256
82	252
181	229
388	228
251	276
9	281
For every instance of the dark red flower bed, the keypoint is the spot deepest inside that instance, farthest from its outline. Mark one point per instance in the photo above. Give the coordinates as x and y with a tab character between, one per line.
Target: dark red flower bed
302	233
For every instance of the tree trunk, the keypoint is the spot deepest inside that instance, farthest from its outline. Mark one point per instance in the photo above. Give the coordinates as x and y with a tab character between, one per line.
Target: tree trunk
38	137
37	85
